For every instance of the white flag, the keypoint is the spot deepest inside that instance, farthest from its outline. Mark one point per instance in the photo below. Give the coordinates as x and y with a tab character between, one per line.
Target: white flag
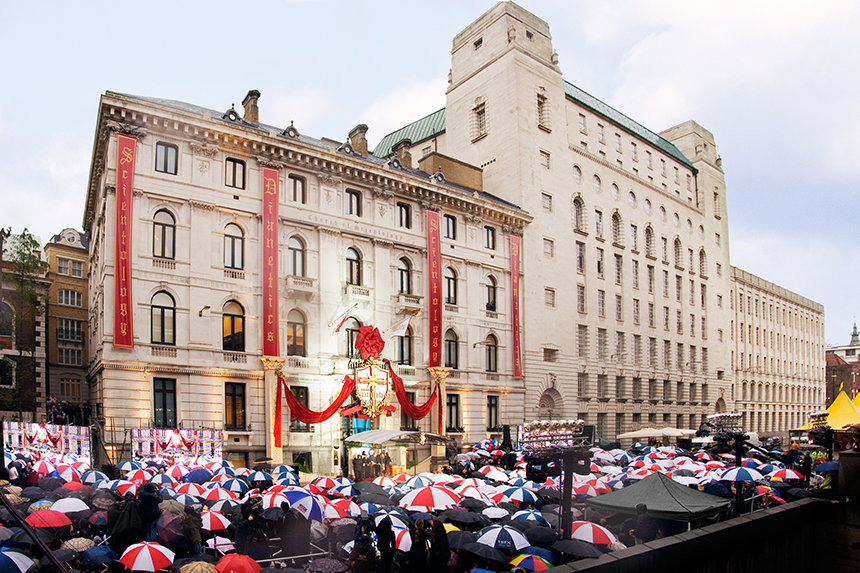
401	327
341	318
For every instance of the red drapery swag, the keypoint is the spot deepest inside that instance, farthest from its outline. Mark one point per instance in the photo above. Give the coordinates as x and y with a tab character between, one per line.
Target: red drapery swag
303	414
410	409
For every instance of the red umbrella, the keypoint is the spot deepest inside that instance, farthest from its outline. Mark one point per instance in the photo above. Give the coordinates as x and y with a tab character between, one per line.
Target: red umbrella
591	532
147	556
213	521
48	518
237	563
429	498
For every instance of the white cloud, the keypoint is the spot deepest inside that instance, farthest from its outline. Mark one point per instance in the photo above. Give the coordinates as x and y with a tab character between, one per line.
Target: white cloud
402	106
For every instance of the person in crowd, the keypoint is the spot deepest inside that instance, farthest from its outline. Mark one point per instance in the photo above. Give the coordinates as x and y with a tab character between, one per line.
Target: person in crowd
385	544
363	557
192	524
440	551
646	528
418	557
149	500
364	525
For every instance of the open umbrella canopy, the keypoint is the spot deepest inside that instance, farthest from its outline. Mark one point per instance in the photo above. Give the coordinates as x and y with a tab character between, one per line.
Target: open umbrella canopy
48	518
237	563
214	521
591	533
457	539
147	556
99	555
70	505
531	562
577	548
13	561
429	498
502	537
485	551
739	474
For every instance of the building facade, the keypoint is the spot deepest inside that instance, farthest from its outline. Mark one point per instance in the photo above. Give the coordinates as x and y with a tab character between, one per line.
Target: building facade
351	240
843	367
778	354
67	255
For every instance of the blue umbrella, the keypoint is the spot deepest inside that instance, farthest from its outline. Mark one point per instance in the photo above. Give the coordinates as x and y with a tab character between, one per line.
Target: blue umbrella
197	476
99	554
186	499
236	485
741	474
129	466
826	467
93	477
540	552
14	562
259	476
502	537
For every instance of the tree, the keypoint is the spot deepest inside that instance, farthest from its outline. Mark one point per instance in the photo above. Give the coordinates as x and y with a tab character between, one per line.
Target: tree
25	268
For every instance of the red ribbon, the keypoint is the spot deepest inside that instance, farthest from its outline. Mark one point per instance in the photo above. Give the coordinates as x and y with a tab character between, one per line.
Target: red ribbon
300	412
410	409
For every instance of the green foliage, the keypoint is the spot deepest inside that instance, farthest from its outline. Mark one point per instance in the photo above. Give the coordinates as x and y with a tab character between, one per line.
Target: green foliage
411	464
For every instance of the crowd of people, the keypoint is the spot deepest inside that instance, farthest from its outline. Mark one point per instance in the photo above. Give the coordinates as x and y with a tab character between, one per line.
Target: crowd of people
368	466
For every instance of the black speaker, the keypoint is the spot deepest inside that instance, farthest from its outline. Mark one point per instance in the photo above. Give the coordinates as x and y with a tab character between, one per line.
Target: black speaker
685	443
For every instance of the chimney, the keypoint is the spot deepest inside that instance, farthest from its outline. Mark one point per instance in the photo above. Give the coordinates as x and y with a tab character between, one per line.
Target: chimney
358	140
401	149
252	112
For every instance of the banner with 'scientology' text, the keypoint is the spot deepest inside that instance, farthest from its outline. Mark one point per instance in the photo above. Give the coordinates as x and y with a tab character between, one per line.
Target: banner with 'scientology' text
270	262
515	302
434	301
123	336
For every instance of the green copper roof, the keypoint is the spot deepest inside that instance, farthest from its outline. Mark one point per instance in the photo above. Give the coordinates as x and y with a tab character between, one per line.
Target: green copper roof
623	121
417	131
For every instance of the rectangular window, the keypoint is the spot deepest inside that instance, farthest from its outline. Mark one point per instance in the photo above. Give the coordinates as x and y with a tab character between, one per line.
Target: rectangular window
619	308
601	136
665	318
234	173
618	142
637	348
635	311
407	423
548	248
634	151
678	288
69	330
544	159
582	383
480	119
543	111
666	284
601	343
550	355
651	318
580	257
301	394
680	356
490	238
450	227
164	402
667	354
453	412
664	247
600	262
580	298
652	351
70	267
234	406
353	205
598	224
601	303
546	201
549	297
620	346
70	387
69	297
679	323
492	412
601	386
649	159
637	395
634	273
582	340
634	238
651	279
692	293
70	355
619	269
166	156
296	189
404	215
582	123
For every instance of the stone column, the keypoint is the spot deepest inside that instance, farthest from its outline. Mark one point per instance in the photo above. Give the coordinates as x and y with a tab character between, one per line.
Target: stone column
271	366
438	375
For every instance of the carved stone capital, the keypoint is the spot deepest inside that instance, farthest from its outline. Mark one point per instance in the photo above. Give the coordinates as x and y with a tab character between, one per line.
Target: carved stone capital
329	180
272	363
472	219
204	149
269	162
109	189
137	192
381	243
203	206
438	374
381	193
125	128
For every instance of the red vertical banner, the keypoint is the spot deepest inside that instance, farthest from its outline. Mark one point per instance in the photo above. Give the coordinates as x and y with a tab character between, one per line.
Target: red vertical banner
123	336
515	303
270	262
434	300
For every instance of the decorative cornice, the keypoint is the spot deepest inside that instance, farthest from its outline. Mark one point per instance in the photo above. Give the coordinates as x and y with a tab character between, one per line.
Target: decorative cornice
202	205
171	369
272	363
200	148
125	128
331	181
329	231
268	162
381	193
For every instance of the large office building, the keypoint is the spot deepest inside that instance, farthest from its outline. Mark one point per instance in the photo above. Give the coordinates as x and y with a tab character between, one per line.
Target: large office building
625	303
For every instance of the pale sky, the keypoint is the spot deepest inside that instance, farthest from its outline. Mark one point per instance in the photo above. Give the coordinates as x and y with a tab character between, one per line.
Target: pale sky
776	82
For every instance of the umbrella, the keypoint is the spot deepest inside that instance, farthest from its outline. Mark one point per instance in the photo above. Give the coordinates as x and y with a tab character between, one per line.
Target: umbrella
213	521
541	535
198	475
826	467
531	562
370	487
40	505
33	492
471	503
93	476
217	494
186	499
402	539
345	490
235	485
191	489
50	483
457	539
237	563
198	567
485	551
172	505
129	466
576	548
98	518
741	474
221	543
79	544
785	474
326	565
374	498
147	556
48	518
592	533
429	498
225	506
99	555
502	537
11	561
495	512
169	528
260	476
70	505
529	515
544	553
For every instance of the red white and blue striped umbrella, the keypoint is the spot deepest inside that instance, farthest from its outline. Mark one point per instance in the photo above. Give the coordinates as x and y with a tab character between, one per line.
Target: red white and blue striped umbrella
331	511
68	474
470	491
138	477
147	556
502	537
235	485
310	506
429	498
191	489
214	521
419	481
177	472
785	474
217	494
163	479
345	490
402	539
349	506
186	499
324	483
529	515
521	495
120	486
741	474
274	500
129	466
592	533
44	467
93	477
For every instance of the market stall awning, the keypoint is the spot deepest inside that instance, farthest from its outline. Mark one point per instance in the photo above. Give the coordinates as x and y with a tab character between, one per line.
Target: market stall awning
842	412
378	437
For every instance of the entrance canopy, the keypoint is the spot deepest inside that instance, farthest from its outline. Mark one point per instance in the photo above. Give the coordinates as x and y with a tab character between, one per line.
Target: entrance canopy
379	437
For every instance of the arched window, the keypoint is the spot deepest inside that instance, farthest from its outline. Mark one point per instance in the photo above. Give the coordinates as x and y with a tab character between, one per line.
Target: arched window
578	215
617	236
450	286
7	320
649	241
234	247
491	293
404	275
352	326
295	257
404	347
163	235
296	333
452	349
703	263
353	267
492	345
577	174
233	327
679	255
163	318
595	182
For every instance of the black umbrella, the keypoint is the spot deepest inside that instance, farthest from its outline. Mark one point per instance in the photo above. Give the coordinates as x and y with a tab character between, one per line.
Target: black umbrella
541	536
62	555
272	513
576	548
99	554
50	483
551	518
369	487
374	498
457	539
463	518
511	507
485	551
471	503
33	492
549	493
